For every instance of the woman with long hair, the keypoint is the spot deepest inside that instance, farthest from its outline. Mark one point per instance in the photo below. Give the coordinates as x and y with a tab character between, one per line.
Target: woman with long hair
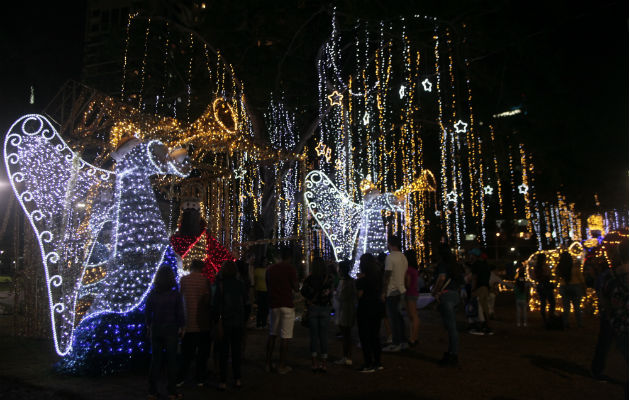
317	291
544	287
572	288
411	296
370	311
165	322
230	298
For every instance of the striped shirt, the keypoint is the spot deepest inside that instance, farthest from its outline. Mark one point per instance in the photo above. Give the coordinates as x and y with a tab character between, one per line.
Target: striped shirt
195	289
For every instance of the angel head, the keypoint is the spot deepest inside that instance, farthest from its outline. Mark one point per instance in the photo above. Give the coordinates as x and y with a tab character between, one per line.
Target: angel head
367	185
153	156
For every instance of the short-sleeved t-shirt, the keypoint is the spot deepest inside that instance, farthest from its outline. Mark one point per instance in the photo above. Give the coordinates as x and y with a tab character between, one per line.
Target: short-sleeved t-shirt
396	262
451	273
482	270
281	279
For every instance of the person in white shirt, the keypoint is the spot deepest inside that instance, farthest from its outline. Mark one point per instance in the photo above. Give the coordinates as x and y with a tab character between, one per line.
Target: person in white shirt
393	291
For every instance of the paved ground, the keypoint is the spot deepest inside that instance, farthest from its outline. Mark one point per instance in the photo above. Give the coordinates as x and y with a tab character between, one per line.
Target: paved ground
515	363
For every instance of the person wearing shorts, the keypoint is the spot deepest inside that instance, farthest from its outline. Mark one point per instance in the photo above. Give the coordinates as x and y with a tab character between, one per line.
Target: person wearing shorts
281	284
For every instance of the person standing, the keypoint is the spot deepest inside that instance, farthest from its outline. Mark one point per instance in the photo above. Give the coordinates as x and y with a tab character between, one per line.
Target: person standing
347	300
165	320
446	293
260	285
521	292
572	288
393	292
369	313
411	296
281	284
195	289
481	286
230	299
612	291
544	287
317	291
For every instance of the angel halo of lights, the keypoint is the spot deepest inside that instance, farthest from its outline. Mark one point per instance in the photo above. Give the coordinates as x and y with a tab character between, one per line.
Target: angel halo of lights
100	232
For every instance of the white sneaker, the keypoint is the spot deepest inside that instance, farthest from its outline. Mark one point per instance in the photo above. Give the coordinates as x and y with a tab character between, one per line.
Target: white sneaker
392	348
343	361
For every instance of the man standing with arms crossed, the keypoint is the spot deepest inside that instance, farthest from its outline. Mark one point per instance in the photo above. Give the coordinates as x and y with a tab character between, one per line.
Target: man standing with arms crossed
281	284
393	290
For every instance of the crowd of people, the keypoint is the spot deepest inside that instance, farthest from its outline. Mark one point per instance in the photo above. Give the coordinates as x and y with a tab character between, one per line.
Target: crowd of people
383	297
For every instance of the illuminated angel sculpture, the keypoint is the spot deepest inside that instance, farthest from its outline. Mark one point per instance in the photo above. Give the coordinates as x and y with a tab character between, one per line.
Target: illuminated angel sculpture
100	232
342	220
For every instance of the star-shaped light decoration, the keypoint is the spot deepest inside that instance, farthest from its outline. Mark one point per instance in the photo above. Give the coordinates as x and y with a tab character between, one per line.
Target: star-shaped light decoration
338	164
328	151
488	189
335	98
401	91
427	85
452	196
239	173
366	119
438	213
321	149
460	126
522	188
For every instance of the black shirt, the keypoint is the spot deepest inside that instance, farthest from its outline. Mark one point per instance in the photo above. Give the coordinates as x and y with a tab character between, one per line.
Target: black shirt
481	269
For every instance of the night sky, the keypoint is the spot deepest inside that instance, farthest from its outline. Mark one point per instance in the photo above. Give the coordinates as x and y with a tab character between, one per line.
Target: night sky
566	62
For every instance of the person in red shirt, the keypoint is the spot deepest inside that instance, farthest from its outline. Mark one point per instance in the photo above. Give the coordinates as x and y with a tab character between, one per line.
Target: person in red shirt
281	284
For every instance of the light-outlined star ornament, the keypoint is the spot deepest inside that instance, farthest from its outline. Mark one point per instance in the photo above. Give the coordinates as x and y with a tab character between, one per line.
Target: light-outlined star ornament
460	126
523	188
239	173
427	85
438	213
451	196
338	164
335	98
366	119
488	189
401	91
323	151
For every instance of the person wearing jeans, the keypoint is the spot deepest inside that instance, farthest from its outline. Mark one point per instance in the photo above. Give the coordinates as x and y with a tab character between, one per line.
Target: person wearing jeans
448	301
446	293
318	319
396	321
317	291
394	286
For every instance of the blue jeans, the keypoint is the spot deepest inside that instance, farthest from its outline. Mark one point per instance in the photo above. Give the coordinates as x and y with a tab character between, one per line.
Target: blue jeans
448	302
396	320
318	319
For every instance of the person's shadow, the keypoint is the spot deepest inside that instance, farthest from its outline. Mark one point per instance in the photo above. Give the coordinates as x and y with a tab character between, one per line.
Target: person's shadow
562	367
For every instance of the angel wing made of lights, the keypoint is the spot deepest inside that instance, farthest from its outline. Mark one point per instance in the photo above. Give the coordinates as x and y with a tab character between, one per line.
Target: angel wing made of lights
96	257
336	214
